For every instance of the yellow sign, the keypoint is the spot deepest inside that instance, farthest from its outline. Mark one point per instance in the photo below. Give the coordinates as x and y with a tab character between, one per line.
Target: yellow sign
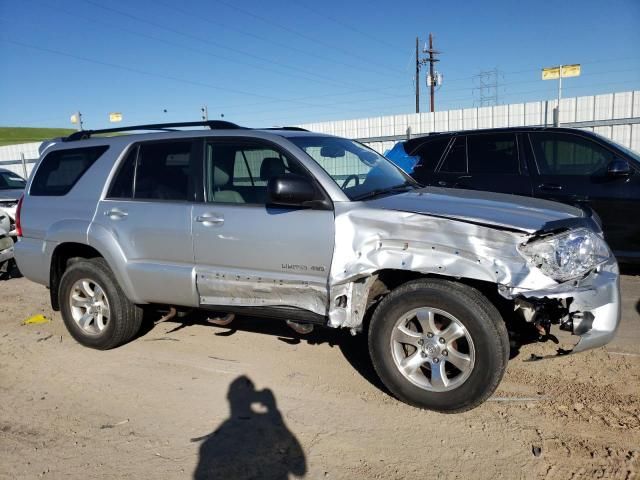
571	70
74	118
115	117
553	73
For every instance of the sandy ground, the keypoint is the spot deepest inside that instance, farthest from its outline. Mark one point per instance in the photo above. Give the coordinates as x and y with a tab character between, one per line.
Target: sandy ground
188	398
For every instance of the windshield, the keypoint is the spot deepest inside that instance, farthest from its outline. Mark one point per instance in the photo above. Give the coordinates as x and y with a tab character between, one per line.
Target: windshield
9	181
359	171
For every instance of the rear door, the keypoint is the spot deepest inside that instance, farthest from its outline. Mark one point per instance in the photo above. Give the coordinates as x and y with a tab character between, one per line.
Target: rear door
248	253
572	168
147	210
495	164
452	170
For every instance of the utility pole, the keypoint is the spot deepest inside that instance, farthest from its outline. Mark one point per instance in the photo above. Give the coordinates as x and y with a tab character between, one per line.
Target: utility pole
417	76
432	78
205	113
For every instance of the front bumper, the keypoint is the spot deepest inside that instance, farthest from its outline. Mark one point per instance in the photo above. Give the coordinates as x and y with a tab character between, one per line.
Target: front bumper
591	305
6	254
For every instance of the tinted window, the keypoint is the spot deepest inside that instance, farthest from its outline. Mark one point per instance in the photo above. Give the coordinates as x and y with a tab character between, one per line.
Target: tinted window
240	172
496	153
456	160
10	180
122	186
155	171
429	153
562	154
61	169
163	171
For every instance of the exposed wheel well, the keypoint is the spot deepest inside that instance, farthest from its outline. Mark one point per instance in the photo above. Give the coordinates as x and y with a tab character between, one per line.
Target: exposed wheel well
63	256
388	280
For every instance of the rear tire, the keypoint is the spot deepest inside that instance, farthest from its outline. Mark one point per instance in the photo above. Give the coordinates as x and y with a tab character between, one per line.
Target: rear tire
94	308
439	345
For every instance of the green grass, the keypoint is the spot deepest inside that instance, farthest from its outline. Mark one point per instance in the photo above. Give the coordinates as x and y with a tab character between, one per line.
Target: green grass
14	135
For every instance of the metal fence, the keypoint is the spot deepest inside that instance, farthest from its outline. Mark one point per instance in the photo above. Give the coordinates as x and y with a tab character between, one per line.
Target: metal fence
613	115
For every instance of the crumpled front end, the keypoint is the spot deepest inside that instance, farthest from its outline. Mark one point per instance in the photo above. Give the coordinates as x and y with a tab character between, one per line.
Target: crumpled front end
370	242
589	307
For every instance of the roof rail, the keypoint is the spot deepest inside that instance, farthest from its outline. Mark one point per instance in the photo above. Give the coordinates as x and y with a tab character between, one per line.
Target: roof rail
293	129
212	124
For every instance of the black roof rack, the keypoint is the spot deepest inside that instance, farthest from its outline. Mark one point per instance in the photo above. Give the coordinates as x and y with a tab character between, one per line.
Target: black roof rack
293	129
212	124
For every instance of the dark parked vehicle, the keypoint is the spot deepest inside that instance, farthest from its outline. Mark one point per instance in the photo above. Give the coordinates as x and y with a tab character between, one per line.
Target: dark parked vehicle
567	165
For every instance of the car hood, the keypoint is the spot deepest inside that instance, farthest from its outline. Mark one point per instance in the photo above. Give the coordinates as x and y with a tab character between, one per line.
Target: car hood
497	209
11	194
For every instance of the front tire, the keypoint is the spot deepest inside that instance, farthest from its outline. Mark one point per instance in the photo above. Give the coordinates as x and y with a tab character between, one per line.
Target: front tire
439	345
94	308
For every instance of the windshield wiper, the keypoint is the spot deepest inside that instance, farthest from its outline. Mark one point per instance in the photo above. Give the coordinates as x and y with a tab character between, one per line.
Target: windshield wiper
380	191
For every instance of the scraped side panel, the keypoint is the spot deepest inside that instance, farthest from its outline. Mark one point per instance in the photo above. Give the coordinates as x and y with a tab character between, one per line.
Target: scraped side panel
229	287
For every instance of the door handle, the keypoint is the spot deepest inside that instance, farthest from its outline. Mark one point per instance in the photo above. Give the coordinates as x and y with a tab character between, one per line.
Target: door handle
115	214
550	186
442	183
210	219
461	182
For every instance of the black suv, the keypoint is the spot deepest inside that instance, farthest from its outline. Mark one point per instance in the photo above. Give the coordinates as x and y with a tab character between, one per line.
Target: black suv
563	164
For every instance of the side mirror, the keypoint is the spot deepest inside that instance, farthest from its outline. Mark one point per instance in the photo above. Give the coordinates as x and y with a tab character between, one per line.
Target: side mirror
290	190
618	168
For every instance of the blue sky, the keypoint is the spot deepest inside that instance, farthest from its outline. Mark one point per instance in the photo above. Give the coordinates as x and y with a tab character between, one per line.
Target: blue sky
288	62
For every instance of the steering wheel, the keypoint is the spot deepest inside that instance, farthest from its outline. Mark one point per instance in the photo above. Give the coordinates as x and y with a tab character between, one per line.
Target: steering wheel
348	179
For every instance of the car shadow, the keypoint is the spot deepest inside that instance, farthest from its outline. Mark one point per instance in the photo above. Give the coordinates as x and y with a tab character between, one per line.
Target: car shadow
354	348
254	442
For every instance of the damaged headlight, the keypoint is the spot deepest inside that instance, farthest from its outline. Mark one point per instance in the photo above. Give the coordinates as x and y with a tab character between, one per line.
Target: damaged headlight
567	255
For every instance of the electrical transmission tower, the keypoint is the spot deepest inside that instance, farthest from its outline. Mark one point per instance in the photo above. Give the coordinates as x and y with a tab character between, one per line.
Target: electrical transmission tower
487	87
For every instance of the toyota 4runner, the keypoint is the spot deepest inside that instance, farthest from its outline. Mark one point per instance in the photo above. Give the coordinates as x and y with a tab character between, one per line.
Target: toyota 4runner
317	230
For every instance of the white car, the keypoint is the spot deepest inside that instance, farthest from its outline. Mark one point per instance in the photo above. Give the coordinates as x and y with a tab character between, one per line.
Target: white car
6	249
11	188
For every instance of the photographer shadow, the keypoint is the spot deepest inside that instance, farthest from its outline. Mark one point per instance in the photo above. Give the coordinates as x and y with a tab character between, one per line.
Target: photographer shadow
253	443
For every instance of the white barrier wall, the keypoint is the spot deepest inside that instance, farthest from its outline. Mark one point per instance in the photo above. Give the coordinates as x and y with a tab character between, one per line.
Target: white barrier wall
613	115
11	157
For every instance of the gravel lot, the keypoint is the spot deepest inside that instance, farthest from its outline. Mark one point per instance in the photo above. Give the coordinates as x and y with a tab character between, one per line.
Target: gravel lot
190	398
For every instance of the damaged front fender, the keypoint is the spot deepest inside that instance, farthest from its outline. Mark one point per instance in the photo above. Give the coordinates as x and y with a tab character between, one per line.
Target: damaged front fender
370	240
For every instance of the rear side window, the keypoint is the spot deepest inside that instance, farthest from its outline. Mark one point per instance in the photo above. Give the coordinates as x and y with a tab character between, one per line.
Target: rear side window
60	170
430	153
155	171
496	153
456	160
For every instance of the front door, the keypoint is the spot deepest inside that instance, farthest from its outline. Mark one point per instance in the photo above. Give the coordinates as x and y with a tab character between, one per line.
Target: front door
573	169
248	253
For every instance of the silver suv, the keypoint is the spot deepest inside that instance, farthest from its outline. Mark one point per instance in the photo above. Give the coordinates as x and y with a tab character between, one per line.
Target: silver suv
318	230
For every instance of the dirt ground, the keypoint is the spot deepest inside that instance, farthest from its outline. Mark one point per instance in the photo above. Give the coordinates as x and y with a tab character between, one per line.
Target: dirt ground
191	399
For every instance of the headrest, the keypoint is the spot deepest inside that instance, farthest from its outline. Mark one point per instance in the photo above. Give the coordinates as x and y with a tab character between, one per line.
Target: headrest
220	177
271	167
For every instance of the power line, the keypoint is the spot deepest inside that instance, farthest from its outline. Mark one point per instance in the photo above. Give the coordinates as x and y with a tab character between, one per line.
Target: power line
309	76
265	39
346	26
299	34
206	40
